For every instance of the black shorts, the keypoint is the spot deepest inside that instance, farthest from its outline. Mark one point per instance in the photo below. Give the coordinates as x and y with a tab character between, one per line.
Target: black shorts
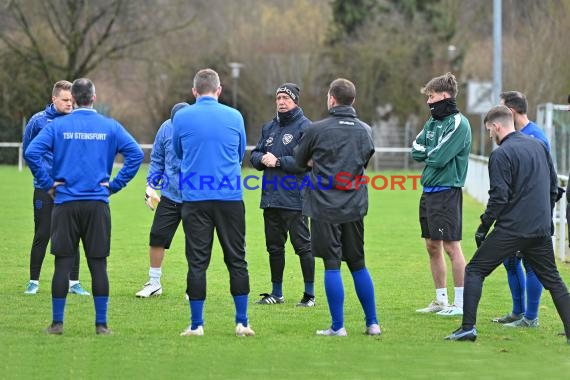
88	221
441	215
338	242
167	217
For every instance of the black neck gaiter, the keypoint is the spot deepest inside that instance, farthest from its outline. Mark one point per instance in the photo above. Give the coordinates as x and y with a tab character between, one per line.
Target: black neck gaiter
445	107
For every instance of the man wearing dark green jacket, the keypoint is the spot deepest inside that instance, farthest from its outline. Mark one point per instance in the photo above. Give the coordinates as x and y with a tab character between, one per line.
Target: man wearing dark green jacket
443	145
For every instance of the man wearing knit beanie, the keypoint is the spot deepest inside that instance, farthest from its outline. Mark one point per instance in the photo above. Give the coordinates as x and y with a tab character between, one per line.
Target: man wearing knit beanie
290	89
281	197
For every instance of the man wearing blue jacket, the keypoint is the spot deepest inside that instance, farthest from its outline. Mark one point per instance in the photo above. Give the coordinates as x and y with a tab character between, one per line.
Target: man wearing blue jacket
281	197
43	203
84	146
163	173
209	138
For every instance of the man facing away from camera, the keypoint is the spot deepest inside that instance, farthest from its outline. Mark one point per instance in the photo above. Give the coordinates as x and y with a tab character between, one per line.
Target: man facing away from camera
339	145
84	146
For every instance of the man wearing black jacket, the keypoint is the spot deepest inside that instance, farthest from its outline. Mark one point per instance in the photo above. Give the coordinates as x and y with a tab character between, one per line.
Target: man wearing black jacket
338	149
280	197
520	205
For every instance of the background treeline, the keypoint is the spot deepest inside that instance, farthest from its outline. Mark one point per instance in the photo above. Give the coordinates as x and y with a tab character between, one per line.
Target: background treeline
142	54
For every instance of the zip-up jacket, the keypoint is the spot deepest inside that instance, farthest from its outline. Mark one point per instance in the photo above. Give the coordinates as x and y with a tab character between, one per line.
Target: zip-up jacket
280	185
523	187
340	147
444	146
34	127
164	167
209	138
84	142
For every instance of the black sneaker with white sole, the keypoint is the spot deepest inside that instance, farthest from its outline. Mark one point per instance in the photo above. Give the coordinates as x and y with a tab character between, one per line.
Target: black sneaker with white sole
270	299
308	300
463	335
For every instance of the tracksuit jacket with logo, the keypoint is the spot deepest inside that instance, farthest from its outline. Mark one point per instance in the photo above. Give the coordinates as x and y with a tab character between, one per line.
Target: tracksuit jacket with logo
280	186
444	146
84	141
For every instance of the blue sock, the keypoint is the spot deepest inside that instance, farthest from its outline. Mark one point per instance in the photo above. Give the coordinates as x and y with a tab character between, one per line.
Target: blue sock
241	309
334	289
101	304
533	293
365	291
277	289
57	309
517	283
196	313
310	288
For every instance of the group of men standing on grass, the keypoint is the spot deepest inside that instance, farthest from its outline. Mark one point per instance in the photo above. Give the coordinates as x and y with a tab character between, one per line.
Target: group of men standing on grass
208	139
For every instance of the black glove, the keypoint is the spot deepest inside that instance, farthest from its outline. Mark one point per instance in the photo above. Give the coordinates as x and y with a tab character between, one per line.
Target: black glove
481	234
561	192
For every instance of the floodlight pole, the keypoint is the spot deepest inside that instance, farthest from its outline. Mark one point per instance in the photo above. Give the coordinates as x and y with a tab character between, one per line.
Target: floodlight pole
236	67
497	50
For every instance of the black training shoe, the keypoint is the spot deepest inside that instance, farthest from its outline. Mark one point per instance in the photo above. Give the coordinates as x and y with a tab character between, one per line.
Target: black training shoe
55	329
269	299
102	330
508	318
461	334
307	301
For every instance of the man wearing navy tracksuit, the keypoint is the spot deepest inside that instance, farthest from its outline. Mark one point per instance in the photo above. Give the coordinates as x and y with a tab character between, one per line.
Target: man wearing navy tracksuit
209	138
280	195
84	146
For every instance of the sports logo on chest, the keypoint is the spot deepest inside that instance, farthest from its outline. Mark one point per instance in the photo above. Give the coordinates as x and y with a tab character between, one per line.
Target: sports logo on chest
287	138
269	141
430	135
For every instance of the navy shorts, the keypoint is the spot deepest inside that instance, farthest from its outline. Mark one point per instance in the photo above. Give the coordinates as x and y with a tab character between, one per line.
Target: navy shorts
441	215
167	217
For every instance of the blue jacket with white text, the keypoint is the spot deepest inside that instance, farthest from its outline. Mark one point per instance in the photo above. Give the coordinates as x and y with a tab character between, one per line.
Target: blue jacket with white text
84	145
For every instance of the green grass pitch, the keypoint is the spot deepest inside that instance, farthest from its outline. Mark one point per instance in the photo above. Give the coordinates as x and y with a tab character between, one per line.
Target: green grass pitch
146	344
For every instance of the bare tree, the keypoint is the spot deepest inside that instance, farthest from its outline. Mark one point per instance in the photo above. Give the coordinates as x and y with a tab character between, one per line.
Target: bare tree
71	38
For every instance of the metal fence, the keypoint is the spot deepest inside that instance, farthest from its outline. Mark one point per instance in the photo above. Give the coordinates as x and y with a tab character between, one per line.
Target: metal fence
554	119
477	186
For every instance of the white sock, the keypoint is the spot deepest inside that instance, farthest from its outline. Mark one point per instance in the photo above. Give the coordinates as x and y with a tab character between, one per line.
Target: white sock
154	274
71	283
37	282
441	296
458	299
